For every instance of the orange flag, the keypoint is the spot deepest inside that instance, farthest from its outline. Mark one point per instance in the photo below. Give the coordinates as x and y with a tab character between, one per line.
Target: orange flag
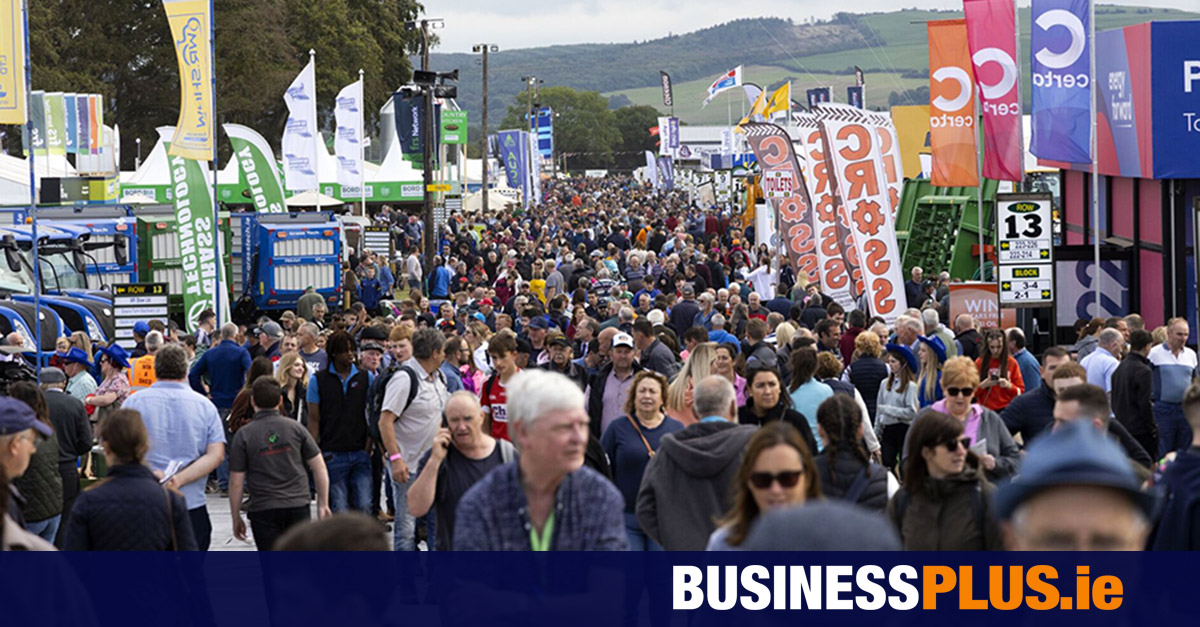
952	130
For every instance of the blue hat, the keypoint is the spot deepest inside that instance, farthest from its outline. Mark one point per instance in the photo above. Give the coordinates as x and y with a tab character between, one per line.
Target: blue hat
907	354
77	356
116	354
1076	454
141	327
16	416
934	342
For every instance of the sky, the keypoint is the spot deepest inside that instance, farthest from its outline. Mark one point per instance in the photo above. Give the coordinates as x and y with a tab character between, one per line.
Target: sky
513	24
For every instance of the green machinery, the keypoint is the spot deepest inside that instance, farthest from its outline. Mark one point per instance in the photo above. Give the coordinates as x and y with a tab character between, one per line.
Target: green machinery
938	228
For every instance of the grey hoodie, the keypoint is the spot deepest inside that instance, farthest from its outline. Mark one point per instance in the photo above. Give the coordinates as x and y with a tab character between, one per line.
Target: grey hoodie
686	486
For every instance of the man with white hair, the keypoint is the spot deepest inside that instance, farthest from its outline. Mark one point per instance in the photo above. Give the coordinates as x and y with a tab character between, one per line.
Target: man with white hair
934	328
686	484
546	500
1103	361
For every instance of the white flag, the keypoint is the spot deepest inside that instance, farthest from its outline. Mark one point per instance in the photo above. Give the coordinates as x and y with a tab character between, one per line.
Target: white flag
301	135
347	143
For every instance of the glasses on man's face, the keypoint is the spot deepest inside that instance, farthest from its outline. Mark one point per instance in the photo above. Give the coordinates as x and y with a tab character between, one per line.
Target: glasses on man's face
952	445
786	479
960	391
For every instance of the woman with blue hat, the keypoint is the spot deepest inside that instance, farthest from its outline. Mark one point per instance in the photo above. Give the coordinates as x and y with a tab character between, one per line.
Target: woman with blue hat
113	391
931	354
898	402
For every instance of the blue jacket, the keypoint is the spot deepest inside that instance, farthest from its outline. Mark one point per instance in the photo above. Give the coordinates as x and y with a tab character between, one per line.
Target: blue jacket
226	365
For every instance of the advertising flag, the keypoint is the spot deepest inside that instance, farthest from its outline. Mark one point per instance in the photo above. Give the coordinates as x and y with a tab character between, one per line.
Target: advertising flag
836	280
56	124
194	224
780	101
854	150
729	80
952	132
1060	54
773	148
992	36
72	112
668	97
259	171
190	22
12	63
301	135
37	115
347	141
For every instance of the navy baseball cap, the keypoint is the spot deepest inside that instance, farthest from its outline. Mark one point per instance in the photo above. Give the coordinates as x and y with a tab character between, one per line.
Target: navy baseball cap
1075	454
16	416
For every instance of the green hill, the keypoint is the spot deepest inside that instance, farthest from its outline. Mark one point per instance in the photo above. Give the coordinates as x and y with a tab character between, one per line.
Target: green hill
890	47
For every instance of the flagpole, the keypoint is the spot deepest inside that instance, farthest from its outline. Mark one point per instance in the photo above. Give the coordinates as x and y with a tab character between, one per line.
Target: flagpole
1095	158
37	275
362	131
218	261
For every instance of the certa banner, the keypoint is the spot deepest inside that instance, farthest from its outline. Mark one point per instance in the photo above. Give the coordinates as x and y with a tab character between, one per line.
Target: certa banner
952	131
854	150
992	36
773	149
836	281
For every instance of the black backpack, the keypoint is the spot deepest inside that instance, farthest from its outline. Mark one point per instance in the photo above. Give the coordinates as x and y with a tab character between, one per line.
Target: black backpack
378	389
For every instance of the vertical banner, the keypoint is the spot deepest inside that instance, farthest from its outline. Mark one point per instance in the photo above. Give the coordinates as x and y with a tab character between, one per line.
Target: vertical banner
191	26
347	144
1060	58
889	153
817	95
72	131
836	281
37	115
56	124
12	63
952	134
777	158
992	36
854	96
854	150
510	156
194	225
301	135
257	164
668	97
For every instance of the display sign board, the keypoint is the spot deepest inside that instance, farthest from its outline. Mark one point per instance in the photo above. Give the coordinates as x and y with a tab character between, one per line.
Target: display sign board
136	302
1025	249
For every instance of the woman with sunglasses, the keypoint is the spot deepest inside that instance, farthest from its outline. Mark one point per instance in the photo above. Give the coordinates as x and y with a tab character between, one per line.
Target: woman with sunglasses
777	472
982	427
945	503
1001	375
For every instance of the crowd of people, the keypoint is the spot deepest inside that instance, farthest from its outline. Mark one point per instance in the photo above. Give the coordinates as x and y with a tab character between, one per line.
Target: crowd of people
613	370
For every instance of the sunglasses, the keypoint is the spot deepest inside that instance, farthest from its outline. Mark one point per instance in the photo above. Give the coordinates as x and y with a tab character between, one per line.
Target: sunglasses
786	479
960	391
952	445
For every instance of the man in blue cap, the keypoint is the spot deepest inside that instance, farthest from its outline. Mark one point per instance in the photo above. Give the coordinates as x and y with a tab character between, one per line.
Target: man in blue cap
1075	492
77	364
19	431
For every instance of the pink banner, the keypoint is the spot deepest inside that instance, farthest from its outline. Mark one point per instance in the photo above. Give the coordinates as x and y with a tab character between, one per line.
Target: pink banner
992	36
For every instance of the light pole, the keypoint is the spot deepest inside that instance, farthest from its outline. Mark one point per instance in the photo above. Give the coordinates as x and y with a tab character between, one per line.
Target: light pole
485	49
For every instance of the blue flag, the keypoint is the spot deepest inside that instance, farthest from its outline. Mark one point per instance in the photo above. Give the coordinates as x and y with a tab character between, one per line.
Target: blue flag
1061	80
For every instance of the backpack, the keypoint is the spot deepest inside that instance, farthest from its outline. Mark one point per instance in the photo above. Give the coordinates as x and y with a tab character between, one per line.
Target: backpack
378	390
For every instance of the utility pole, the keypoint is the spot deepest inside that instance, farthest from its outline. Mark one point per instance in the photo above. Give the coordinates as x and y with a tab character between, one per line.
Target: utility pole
485	49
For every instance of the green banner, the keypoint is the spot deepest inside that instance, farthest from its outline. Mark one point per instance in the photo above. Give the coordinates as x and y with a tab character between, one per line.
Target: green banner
196	231
56	123
257	163
454	127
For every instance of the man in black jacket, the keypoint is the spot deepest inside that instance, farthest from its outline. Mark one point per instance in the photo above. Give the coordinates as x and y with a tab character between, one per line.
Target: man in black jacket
74	433
1132	387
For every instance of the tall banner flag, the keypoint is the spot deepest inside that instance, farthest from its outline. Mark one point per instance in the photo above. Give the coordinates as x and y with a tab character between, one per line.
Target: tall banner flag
854	150
37	115
347	142
257	164
652	170
12	63
194	223
1062	81
72	123
668	97
56	124
818	95
889	152
992	36
301	135
783	184
836	280
191	26
952	132
409	113
729	80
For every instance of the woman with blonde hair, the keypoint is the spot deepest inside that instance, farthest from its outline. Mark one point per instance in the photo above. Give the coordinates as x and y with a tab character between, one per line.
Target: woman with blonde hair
699	364
292	374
